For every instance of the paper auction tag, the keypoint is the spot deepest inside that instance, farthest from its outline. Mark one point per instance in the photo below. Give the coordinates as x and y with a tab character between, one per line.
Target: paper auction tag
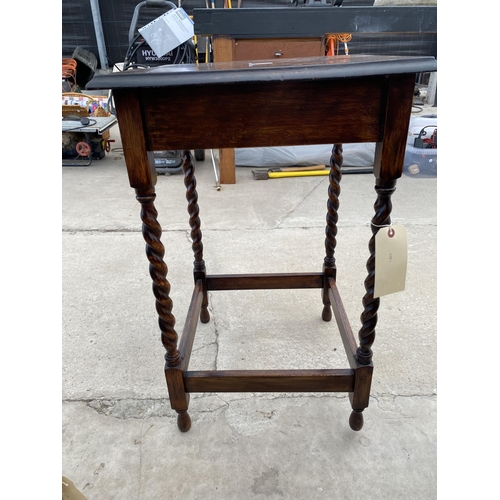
70	492
391	257
168	31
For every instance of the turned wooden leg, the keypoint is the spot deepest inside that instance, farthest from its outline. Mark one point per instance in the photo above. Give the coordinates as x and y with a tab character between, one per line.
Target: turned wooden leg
200	272
183	421
155	252
364	354
329	268
382	217
356	420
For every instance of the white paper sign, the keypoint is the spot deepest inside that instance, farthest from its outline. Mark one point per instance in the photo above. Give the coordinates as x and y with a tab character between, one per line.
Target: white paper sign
391	254
168	31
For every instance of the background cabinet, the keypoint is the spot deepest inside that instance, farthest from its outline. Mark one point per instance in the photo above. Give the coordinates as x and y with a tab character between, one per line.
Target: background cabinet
228	49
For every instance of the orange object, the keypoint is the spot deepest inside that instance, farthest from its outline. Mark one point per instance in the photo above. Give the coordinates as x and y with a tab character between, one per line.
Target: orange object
69	71
330	44
333	41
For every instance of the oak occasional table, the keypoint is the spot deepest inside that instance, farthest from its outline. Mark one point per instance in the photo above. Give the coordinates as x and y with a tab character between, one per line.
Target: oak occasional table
302	101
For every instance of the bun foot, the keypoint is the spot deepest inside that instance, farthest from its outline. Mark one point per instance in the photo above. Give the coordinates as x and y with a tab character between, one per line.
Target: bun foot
326	315
183	421
204	315
356	420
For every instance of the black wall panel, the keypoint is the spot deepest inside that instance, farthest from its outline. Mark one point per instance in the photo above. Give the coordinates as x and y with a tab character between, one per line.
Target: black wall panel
116	16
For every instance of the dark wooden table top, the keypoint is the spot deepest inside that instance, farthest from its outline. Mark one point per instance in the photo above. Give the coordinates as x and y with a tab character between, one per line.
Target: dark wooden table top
309	68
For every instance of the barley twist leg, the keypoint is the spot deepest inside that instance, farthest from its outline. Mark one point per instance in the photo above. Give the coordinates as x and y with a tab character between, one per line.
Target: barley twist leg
329	268
366	335
195	225
155	252
382	217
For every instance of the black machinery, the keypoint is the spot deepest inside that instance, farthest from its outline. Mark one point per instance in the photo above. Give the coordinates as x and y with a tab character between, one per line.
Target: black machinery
140	55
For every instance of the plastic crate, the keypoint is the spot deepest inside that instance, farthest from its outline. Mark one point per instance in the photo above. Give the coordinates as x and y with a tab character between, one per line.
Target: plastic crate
420	162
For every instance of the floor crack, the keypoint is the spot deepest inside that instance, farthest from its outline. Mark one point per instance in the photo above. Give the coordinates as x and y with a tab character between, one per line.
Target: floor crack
286	216
216	329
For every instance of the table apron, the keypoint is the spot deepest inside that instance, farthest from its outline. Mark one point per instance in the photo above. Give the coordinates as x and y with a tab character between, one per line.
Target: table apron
269	114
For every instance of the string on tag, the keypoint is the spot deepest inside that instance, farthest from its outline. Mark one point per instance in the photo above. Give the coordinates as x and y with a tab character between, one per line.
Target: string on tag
384	225
381	226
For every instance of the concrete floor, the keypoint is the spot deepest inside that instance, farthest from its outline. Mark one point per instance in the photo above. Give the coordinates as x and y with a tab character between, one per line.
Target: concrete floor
120	438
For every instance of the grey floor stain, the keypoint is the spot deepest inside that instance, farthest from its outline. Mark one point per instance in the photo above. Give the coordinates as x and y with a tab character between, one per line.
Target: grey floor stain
267	483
